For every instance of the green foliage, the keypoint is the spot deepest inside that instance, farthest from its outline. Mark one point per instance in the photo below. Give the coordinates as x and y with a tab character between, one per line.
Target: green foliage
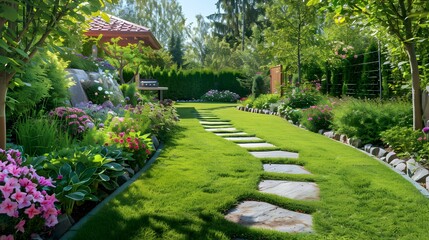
220	96
79	61
366	119
317	117
258	86
291	114
265	100
404	140
302	98
130	93
39	135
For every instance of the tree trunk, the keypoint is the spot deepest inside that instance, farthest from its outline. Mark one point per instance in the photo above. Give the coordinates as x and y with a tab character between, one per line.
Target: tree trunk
4	83
416	91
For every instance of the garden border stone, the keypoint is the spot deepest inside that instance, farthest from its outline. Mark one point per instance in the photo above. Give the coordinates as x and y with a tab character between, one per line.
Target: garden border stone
72	231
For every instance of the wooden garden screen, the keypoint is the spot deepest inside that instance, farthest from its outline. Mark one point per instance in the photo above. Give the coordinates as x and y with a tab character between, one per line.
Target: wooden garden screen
276	78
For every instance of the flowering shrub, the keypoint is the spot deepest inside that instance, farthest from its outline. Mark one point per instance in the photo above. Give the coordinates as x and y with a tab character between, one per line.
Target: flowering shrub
74	120
133	142
302	98
220	96
163	117
25	205
289	113
405	141
100	113
317	117
265	100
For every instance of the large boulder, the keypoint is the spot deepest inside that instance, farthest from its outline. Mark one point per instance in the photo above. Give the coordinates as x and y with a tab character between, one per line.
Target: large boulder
77	94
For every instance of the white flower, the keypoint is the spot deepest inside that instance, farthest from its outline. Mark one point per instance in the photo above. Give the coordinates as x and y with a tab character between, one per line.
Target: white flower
106	92
100	89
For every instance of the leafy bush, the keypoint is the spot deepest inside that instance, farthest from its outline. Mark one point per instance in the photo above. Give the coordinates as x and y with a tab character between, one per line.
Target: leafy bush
39	135
220	96
265	100
289	113
404	140
26	205
248	102
317	117
100	113
302	98
258	86
366	119
80	61
132	96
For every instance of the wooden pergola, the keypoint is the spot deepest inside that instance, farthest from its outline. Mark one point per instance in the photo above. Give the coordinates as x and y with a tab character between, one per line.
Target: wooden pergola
117	27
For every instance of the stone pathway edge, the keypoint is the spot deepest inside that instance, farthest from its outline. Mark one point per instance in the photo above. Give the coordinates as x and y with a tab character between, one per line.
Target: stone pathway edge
72	231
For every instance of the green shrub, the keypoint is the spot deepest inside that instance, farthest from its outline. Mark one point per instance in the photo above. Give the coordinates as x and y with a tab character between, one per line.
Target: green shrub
265	100
258	86
301	98
366	119
317	117
248	102
130	93
289	113
404	140
220	96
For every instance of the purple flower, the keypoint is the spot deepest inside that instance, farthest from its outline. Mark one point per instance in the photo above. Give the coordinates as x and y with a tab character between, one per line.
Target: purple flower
425	130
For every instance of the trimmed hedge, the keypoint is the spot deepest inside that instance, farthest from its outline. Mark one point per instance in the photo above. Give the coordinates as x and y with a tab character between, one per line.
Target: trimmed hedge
192	84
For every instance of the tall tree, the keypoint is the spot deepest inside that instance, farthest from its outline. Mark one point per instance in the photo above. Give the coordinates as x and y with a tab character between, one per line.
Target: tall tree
238	18
163	17
198	35
25	27
294	25
402	18
176	50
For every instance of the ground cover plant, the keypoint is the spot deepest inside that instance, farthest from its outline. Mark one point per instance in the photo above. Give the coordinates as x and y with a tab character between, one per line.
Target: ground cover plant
199	176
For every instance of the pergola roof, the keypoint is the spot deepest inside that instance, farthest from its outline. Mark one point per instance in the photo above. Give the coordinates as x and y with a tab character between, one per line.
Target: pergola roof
117	27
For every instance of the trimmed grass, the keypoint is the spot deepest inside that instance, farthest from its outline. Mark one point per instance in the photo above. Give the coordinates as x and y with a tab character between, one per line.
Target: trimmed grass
199	176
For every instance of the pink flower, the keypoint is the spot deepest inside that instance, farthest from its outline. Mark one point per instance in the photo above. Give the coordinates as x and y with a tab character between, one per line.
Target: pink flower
32	211
20	226
8	237
51	221
59	177
8	207
45	182
6	190
310	119
19	197
26	202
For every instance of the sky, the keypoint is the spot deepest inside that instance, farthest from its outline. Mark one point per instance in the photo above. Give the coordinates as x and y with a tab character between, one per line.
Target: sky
191	8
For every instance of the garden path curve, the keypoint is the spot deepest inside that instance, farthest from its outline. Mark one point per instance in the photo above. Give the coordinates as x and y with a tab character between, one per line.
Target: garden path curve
261	214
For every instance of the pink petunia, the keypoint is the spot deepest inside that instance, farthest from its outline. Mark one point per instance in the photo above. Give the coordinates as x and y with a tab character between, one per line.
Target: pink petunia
8	207
6	190
19	196
20	226
32	211
51	221
45	182
8	237
26	202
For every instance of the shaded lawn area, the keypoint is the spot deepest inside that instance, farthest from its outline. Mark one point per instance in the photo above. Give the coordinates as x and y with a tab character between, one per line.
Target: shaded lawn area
199	176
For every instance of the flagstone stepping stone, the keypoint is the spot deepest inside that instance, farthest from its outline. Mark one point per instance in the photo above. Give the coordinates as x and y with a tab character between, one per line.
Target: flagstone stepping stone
232	134
243	139
220	126
268	216
274	154
294	190
214	123
221	129
256	145
285	168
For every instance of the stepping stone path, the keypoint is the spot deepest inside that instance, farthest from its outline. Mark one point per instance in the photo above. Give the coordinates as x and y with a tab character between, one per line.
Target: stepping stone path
256	145
275	154
293	190
243	139
285	168
268	216
261	214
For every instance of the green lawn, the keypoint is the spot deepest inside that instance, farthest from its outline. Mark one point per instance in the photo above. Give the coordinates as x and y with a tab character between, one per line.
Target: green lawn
199	176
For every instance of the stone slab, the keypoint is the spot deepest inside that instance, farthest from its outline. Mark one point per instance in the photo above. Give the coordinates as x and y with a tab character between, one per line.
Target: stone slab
217	126
221	129
232	134
293	190
275	154
268	216
256	145
285	168
214	123
243	139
